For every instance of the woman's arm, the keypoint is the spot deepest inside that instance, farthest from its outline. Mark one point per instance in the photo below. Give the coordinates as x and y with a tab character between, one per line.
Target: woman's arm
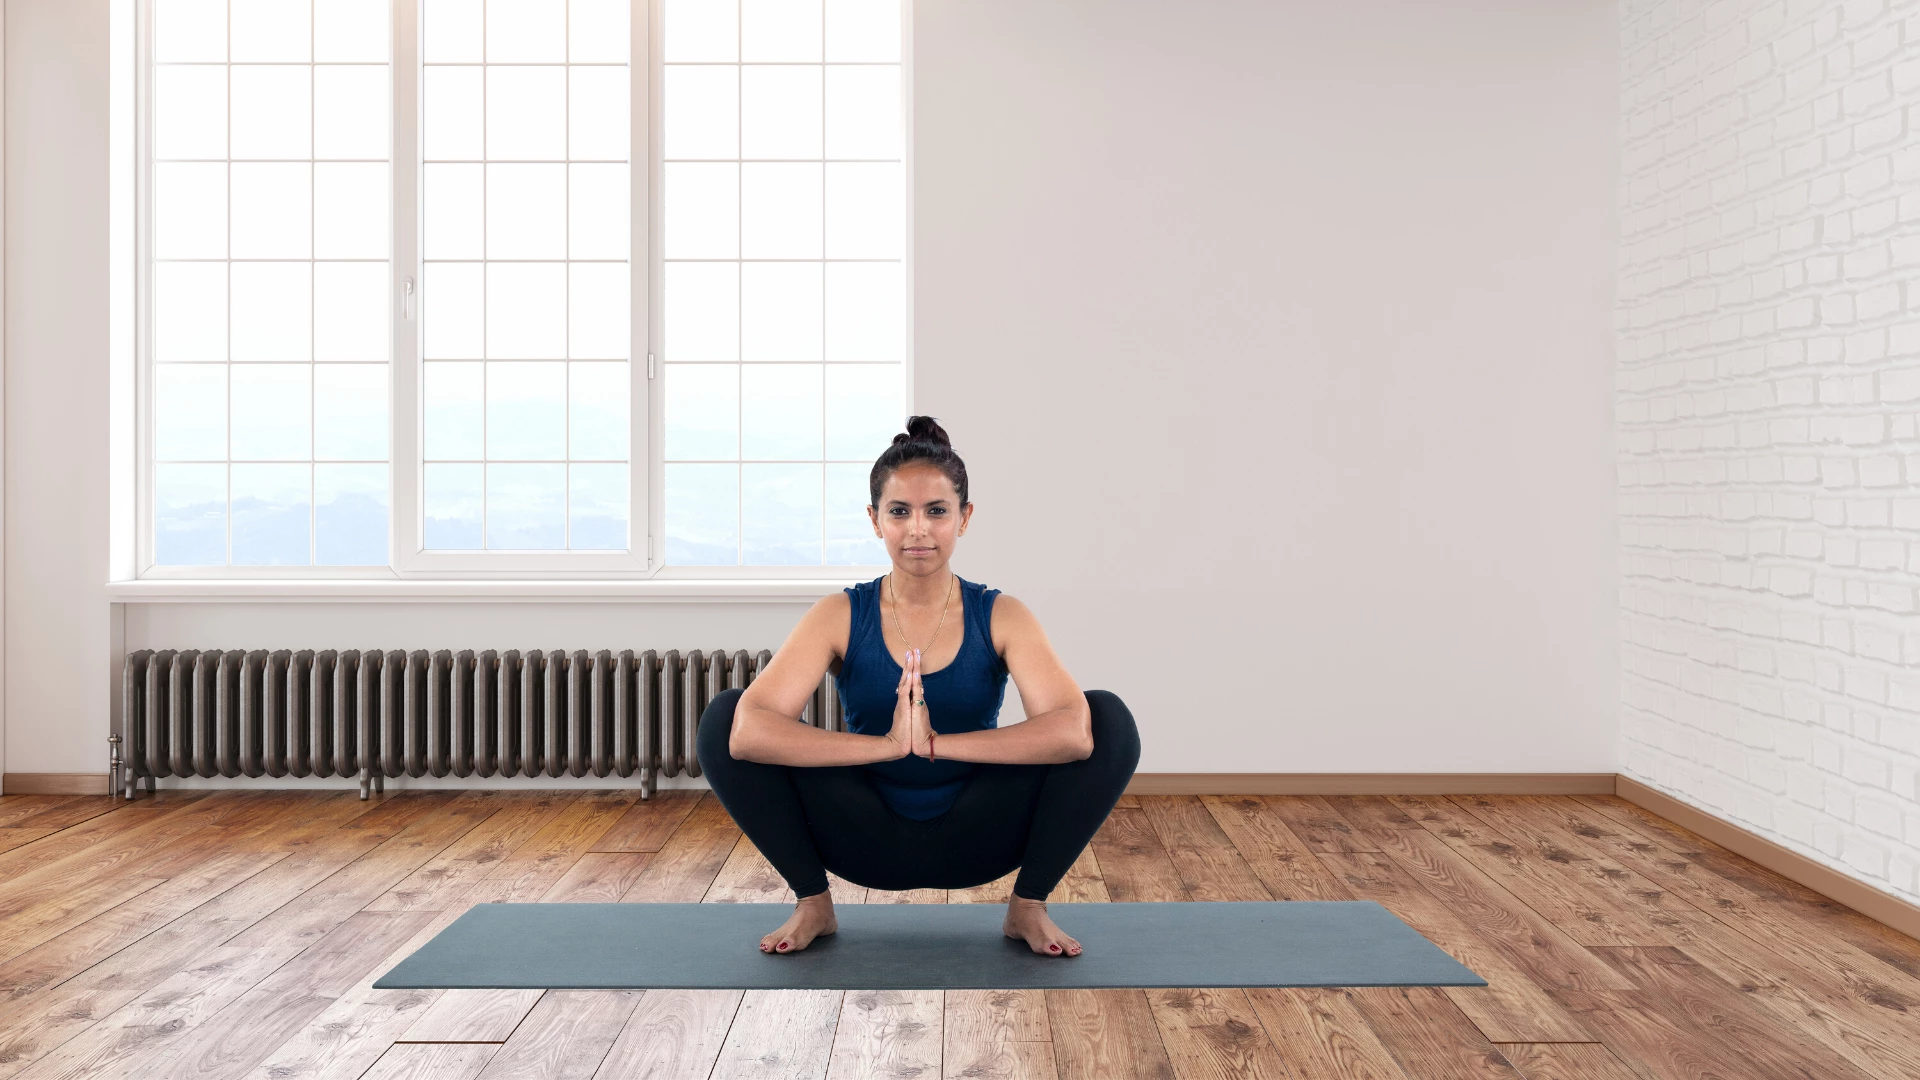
1059	726
766	724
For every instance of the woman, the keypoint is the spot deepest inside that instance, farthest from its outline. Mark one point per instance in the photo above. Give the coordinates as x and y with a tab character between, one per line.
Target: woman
922	790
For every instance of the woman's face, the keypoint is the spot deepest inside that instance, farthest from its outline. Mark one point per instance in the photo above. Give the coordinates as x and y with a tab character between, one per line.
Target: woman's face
919	517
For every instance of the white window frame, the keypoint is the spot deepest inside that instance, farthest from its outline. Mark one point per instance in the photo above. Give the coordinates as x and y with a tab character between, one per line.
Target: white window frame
407	558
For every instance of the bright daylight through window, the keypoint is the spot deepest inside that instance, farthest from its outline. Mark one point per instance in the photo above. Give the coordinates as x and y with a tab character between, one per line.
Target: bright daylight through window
759	258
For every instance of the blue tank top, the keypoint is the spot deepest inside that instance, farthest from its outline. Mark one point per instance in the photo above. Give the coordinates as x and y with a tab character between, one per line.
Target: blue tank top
963	696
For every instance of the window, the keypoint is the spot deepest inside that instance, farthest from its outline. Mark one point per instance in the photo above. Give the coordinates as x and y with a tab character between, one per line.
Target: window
543	286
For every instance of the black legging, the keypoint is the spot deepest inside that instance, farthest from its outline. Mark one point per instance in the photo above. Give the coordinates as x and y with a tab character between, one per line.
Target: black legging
808	820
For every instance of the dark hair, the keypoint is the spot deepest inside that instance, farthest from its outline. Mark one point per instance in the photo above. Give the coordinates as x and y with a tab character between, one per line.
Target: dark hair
924	440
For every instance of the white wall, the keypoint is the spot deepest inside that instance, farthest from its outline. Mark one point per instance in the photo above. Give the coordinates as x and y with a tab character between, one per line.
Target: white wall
1276	336
1769	444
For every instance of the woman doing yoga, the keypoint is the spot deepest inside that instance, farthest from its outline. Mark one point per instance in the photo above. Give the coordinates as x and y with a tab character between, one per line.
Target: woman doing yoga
923	790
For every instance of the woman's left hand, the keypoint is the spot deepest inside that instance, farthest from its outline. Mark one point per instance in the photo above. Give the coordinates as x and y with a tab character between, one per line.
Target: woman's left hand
922	720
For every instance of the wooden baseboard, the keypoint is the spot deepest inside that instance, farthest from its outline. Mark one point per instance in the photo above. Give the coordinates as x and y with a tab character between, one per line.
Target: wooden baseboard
1371	784
1873	903
53	783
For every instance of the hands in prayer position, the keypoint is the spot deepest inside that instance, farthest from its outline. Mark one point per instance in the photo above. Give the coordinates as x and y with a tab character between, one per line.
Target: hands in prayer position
912	731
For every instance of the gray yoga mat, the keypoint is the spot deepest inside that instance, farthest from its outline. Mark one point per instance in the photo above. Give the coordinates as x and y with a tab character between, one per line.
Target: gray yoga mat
926	947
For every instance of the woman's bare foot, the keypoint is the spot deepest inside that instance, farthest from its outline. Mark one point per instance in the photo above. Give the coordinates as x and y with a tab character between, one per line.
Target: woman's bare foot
812	917
1027	920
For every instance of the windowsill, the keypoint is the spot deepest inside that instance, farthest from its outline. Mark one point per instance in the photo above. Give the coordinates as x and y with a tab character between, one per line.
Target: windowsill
362	590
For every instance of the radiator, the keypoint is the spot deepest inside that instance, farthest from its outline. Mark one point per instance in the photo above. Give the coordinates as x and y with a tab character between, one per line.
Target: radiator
371	715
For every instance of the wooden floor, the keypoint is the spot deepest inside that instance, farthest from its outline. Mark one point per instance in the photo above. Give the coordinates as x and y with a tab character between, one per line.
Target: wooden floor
235	934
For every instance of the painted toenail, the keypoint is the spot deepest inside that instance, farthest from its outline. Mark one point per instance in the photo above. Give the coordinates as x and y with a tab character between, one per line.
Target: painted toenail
783	946
1053	948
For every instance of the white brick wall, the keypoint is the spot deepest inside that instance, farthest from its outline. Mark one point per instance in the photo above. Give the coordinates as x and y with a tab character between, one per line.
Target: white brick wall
1768	397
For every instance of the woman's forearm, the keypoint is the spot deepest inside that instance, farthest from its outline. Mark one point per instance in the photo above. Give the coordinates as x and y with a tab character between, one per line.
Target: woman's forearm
1050	737
770	738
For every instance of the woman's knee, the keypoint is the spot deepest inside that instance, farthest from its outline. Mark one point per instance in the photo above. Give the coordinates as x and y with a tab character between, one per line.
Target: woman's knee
716	728
1116	740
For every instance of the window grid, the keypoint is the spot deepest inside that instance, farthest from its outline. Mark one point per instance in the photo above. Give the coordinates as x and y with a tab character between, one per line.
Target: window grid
566	161
305	462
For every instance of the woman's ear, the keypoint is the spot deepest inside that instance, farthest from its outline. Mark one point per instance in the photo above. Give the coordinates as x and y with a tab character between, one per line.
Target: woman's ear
966	515
874	517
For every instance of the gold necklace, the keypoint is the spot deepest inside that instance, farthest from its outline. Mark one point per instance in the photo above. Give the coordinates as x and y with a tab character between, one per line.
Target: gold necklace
945	601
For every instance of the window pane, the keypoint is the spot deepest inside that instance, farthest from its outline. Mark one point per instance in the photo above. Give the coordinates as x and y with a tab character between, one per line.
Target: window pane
452	31
866	406
779	111
453	303
272	311
598	320
526	412
350	311
350	112
272	412
780	413
702	106
350	515
703	412
526	211
780	30
598	212
272	109
526	31
597	397
702	211
455	411
780	508
597	124
526	506
598	514
863	30
526	311
780	211
190	412
866	217
265	30
866	311
703	515
189	311
272	515
850	539
702	318
780	311
702	30
350	412
863	112
452	505
455	210
455	124
190	111
598	32
526	113
190	515
237	334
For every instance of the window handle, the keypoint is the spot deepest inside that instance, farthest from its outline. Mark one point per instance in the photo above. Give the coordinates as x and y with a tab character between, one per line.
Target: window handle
406	299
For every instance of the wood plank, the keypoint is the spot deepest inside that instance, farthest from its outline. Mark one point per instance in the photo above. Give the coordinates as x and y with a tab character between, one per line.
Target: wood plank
1084	883
15	809
672	1035
65	811
1209	866
780	1035
1133	863
21	837
1213	1032
565	1037
1283	863
432	1061
138	1038
82	945
1106	1035
272	1011
1540	948
687	863
1316	823
1324	1035
843	891
325	905
1538	874
476	854
32	1024
1707	1008
1511	1007
1428	1036
887	1033
997	891
599	877
906	896
748	878
997	1035
1566	1061
646	825
473	1016
539	865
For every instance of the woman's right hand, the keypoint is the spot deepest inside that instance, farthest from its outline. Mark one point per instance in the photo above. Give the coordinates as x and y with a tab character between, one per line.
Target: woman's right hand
901	734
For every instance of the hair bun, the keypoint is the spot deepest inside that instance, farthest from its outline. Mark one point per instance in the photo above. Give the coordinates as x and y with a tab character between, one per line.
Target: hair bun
923	429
